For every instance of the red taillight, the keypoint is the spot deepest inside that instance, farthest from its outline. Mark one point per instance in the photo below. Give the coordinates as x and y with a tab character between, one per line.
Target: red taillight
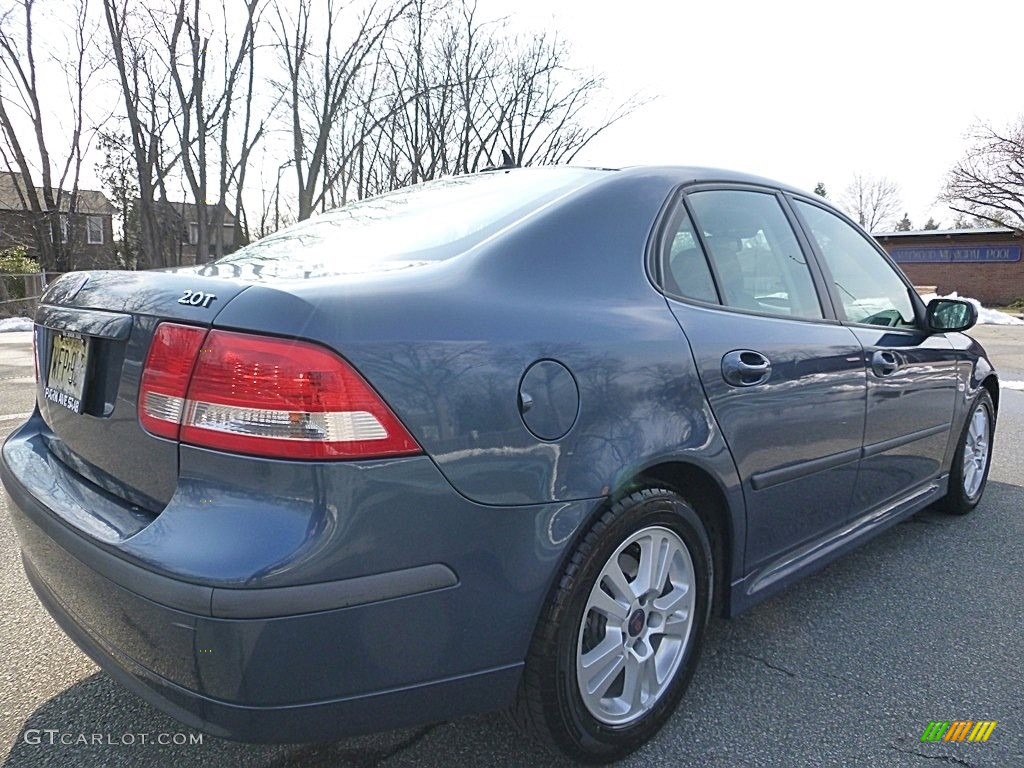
172	355
284	399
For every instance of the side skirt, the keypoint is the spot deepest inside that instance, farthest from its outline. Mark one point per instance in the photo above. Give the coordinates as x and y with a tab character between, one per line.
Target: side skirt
814	555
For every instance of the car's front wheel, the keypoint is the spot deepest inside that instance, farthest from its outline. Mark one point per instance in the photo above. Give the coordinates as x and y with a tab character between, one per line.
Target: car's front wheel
969	472
619	640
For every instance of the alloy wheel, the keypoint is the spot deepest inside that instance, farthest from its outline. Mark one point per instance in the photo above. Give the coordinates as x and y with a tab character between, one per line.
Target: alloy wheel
636	626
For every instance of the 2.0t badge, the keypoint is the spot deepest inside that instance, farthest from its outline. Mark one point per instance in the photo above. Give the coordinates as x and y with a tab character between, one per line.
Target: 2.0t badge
197	298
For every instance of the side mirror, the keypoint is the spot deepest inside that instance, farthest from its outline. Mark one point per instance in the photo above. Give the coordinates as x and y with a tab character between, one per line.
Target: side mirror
950	315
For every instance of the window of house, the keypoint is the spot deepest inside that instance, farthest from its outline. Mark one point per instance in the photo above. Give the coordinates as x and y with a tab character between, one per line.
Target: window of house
871	291
756	256
94	230
193	234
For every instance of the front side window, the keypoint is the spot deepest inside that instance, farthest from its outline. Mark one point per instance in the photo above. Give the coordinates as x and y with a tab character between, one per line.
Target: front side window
870	290
94	230
686	270
757	258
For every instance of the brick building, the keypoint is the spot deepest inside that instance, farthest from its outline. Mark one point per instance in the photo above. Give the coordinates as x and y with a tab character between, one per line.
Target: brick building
984	264
88	232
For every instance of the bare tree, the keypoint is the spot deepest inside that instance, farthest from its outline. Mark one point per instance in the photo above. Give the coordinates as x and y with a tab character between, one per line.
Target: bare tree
450	93
988	182
321	74
144	83
206	94
873	201
27	129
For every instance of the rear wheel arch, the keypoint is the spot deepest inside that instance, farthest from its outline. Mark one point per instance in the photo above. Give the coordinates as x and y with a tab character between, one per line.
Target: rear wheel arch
548	704
700	488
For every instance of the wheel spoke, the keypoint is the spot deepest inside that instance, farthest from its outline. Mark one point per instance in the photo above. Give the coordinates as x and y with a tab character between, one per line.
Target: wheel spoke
676	623
600	666
979	423
970	470
661	557
651	681
632	688
605	604
671	602
617	582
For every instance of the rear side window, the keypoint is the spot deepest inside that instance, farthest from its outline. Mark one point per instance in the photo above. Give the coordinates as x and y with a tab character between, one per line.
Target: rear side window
757	258
871	291
686	269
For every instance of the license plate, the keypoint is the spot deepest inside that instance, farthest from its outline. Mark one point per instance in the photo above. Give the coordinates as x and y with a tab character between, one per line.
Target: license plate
69	363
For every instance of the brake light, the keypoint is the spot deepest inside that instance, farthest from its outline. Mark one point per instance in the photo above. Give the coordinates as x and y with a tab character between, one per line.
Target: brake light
284	399
165	377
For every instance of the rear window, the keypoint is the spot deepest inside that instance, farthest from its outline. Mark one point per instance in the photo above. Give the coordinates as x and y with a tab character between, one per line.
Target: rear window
416	225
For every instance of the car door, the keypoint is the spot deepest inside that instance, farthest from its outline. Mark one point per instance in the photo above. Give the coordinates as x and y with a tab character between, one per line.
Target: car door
911	373
784	378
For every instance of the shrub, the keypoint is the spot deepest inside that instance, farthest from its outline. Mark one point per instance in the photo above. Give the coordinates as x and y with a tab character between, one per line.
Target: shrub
15	262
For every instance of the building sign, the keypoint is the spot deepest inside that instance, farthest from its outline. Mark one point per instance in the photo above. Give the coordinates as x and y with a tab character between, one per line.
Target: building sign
969	254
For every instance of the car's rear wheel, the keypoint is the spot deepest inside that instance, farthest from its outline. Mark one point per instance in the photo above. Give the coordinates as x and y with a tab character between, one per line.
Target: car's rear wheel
619	639
969	472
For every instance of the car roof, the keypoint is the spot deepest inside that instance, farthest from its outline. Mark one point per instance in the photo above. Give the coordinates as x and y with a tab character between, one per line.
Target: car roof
698	174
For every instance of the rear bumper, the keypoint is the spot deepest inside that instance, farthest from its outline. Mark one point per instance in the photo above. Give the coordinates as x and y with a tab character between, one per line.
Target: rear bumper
319	721
435	626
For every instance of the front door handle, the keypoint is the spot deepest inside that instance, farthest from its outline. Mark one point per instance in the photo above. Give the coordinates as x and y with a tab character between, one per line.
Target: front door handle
884	362
746	368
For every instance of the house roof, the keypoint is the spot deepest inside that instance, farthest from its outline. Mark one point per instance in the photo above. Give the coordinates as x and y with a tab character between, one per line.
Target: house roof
89	200
188	212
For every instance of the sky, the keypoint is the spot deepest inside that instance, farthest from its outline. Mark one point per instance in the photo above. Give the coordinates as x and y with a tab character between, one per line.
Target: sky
800	92
796	91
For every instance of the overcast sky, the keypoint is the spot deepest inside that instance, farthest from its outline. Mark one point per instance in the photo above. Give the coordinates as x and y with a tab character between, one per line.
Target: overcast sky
798	91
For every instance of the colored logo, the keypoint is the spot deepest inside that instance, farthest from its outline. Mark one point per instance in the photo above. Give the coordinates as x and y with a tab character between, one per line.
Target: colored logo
958	730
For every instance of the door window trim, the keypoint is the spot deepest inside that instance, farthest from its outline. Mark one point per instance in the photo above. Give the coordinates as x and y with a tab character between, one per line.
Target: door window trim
656	255
840	311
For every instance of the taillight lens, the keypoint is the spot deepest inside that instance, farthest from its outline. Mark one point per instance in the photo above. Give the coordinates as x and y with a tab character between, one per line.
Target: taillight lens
165	377
285	399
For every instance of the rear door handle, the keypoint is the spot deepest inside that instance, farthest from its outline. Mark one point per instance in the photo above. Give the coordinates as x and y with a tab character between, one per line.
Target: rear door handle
884	362
746	368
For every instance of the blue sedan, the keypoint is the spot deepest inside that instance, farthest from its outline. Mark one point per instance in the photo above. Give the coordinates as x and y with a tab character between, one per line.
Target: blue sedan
503	440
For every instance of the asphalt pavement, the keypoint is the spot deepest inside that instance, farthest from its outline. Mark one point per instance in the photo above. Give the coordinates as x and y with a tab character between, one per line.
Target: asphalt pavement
925	622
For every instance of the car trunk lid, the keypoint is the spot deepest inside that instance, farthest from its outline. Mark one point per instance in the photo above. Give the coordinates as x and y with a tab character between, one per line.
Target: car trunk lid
93	332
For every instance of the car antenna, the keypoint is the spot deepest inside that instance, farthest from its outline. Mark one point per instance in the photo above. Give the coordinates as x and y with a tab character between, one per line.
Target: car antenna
507	163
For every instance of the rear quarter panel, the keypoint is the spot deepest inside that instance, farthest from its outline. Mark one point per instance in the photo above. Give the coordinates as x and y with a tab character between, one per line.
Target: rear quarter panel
447	344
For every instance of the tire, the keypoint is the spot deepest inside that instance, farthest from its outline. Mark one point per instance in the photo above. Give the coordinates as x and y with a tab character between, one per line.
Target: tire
652	640
969	471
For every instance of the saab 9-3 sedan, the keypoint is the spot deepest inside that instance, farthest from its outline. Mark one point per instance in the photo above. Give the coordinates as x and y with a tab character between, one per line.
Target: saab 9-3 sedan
502	440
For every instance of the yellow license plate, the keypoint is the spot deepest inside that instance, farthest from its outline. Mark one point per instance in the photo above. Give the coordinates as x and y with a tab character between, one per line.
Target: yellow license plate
69	363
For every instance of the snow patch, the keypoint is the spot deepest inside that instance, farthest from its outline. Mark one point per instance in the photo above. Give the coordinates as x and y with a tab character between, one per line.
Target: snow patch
14	324
985	316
